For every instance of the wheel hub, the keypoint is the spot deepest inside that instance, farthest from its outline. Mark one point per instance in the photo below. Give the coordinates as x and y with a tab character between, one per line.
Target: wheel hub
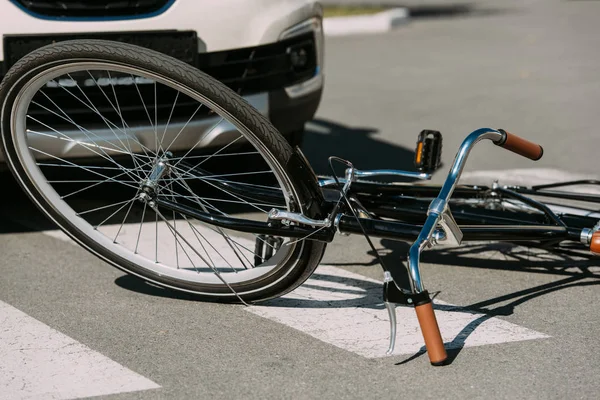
160	169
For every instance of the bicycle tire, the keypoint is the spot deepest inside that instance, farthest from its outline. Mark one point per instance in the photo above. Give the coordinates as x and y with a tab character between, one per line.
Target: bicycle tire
289	273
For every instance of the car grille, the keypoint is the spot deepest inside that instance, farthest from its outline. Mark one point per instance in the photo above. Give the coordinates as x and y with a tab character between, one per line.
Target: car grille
246	71
263	68
93	8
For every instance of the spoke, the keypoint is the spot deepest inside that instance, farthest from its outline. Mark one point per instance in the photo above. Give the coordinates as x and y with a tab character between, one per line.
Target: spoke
176	233
213	228
84	168
185	126
224	214
102	208
169	188
246	184
111	215
170	116
156	238
195	198
125	217
87	146
227	201
307	236
215	178
91	186
82	130
234	196
197	232
106	121
157	147
95	109
223	175
119	113
216	272
116	149
71	166
222	232
92	107
118	110
194	230
216	155
248	196
182	247
65	116
230	242
140	231
87	181
212	155
142	100
238	253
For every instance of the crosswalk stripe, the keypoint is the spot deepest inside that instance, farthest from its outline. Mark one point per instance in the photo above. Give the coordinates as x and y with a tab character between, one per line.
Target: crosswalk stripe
346	310
38	362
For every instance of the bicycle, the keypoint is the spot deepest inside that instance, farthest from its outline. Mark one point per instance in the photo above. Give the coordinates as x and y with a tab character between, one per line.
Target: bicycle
208	175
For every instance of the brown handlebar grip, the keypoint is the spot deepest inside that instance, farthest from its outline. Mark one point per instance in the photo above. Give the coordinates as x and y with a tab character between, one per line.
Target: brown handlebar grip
595	243
431	334
521	146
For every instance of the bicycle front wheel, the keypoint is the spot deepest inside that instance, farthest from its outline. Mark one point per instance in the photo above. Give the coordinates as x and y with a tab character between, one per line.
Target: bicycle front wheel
86	126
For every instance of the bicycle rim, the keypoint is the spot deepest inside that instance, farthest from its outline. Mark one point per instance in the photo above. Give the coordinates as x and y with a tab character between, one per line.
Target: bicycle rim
162	242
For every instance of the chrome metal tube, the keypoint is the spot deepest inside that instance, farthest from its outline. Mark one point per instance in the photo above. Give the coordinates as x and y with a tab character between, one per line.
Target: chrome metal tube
414	253
438	206
461	157
356	174
392	172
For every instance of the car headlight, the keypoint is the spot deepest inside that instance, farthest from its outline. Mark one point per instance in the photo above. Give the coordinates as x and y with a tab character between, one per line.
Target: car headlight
315	25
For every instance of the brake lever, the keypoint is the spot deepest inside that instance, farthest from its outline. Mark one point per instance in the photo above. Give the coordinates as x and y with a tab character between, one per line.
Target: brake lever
391	309
394	296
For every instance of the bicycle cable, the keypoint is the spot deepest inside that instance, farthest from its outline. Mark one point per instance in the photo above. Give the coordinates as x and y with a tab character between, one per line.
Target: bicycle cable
349	164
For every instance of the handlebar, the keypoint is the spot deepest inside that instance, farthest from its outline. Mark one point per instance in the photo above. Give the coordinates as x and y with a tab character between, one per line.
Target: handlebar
439	205
439	214
520	146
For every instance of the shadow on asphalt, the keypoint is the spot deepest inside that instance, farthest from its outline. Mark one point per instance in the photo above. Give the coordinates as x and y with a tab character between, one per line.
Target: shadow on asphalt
456	10
574	269
577	269
357	144
17	212
430	10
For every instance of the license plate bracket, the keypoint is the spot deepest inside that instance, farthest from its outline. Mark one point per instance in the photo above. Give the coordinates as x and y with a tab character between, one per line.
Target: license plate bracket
182	45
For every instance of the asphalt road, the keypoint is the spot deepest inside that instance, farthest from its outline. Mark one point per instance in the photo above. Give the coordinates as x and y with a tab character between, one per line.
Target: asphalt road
530	67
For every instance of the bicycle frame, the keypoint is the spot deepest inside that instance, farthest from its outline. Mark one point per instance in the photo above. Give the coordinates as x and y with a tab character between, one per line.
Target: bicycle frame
413	220
405	204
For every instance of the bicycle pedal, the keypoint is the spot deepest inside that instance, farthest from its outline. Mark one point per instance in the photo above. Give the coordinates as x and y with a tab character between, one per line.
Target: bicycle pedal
428	154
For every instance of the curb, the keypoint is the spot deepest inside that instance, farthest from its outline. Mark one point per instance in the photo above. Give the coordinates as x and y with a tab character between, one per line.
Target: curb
376	23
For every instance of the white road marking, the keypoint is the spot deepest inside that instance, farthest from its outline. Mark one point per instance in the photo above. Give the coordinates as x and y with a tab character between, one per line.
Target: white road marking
361	24
528	177
346	310
38	362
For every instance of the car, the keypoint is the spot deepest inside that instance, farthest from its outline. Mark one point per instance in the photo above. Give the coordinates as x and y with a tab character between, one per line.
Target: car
268	51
